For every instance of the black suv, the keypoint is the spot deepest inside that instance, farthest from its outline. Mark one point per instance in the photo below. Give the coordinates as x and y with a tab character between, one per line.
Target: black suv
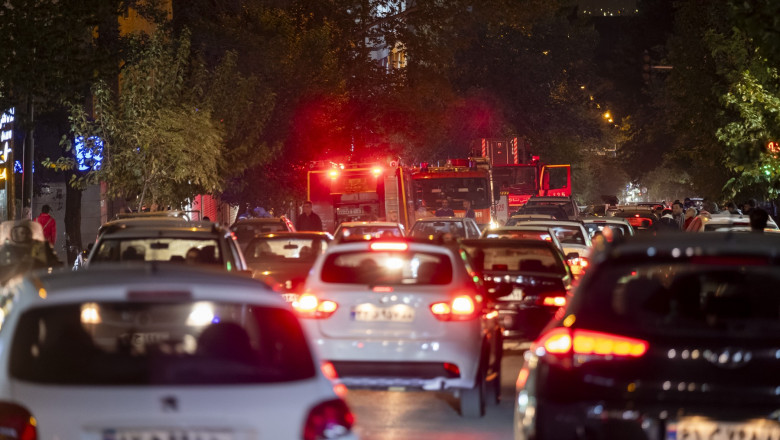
669	337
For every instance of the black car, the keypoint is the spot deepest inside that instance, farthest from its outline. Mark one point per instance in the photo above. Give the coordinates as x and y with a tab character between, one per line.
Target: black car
642	220
283	259
527	281
668	337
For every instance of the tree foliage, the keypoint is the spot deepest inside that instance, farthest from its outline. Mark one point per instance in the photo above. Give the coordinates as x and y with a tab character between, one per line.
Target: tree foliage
161	141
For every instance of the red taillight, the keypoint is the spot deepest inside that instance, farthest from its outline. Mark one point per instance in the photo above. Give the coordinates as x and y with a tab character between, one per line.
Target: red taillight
16	422
563	341
554	301
331	419
389	246
309	306
461	308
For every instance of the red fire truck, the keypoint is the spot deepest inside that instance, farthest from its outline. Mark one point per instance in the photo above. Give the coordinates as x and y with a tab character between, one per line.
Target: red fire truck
356	192
457	181
519	175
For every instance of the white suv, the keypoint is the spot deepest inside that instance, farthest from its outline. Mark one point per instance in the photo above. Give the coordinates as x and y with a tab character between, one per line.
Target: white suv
160	351
402	314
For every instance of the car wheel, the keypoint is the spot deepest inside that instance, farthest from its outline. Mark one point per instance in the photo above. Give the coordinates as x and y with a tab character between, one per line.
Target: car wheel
472	400
494	388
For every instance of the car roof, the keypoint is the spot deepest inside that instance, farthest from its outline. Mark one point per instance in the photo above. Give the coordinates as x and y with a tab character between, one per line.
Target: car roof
441	219
615	220
165	229
423	246
507	242
260	220
297	234
692	244
552	223
180	215
382	224
523	227
114	281
550	198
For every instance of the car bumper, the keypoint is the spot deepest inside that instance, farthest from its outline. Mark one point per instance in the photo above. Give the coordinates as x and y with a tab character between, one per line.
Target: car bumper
524	324
627	420
369	359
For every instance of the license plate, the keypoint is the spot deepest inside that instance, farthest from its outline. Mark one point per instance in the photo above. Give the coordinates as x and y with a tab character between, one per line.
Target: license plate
166	434
694	429
371	313
290	297
516	295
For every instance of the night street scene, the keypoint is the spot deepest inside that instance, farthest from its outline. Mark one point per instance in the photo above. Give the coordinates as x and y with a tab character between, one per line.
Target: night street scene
389	220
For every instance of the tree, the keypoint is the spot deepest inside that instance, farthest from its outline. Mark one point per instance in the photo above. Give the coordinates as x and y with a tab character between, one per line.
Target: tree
159	140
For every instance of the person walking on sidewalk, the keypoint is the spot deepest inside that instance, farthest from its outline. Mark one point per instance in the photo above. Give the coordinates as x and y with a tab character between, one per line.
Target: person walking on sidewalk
49	225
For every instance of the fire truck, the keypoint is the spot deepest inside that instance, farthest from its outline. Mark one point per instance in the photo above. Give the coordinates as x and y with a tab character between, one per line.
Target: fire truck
520	175
390	192
456	181
342	192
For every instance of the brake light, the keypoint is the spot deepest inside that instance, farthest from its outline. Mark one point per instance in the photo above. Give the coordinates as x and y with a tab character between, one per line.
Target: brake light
461	308
554	301
17	422
564	341
309	306
389	246
330	419
329	371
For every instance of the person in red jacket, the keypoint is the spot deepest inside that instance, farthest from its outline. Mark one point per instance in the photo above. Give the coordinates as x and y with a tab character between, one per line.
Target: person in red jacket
49	224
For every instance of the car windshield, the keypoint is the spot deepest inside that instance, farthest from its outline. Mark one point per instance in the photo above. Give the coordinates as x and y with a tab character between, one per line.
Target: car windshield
617	229
431	230
555	211
159	343
365	233
245	231
705	294
189	250
569	234
527	235
284	249
372	268
512	258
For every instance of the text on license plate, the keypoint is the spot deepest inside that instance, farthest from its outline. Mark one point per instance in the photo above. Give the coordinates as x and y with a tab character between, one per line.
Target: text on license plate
370	312
166	434
290	297
712	430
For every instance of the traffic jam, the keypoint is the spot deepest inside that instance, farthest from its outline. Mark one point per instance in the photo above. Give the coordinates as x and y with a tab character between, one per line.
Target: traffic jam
478	284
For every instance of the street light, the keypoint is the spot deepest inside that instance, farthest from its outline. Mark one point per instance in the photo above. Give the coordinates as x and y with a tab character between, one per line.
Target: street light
607	116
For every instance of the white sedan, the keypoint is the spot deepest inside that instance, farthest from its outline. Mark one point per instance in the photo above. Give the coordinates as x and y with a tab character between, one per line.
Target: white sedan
160	352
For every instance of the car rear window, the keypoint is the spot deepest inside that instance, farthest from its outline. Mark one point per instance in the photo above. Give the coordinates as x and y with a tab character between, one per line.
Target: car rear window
513	258
522	235
284	249
245	232
388	268
139	343
431	230
365	233
704	294
617	230
201	251
569	234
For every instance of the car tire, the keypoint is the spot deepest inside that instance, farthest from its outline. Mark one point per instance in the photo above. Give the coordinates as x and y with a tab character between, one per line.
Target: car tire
493	395
472	400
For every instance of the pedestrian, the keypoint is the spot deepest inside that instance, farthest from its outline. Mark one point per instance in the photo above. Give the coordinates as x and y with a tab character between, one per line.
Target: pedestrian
469	210
677	213
758	220
732	208
749	206
81	258
49	225
445	210
308	220
667	223
690	213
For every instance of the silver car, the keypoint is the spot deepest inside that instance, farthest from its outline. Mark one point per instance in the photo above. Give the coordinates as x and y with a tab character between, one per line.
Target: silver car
390	314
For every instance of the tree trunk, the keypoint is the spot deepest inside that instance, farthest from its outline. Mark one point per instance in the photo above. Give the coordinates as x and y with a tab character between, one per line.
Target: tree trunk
73	243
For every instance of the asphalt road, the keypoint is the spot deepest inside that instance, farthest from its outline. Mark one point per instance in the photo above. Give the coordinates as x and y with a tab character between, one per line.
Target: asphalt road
416	415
